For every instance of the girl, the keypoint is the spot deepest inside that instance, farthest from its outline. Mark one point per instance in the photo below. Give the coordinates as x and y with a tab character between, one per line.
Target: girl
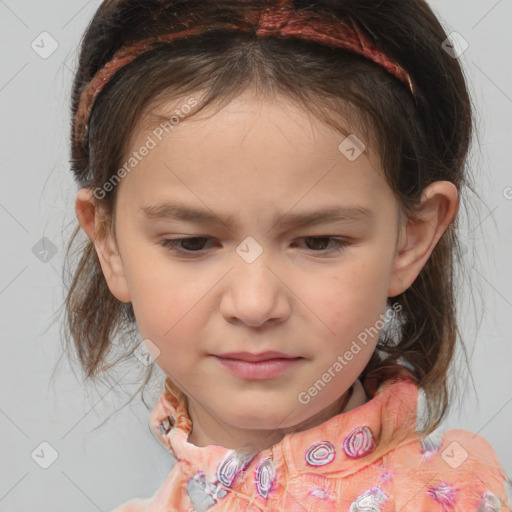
315	153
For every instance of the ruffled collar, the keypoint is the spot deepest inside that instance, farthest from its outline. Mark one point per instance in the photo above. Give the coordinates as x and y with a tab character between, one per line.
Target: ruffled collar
342	445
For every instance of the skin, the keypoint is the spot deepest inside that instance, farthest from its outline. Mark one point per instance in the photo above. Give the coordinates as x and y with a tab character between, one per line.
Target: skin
255	158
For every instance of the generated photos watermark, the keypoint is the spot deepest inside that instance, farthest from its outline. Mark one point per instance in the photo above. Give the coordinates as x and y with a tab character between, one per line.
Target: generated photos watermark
304	397
158	133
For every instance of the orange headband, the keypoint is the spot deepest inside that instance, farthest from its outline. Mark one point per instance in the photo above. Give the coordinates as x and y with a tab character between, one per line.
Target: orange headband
281	20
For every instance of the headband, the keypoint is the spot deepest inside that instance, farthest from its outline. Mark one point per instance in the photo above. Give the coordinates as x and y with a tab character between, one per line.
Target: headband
281	20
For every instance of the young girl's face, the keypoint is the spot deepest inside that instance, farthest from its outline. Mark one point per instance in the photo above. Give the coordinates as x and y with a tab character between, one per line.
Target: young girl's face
252	279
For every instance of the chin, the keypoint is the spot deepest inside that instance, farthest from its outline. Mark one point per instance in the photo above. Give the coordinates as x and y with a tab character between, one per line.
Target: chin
252	418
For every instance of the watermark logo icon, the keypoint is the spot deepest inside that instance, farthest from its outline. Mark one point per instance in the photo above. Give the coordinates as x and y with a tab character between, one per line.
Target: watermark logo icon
44	45
249	250
351	147
455	45
44	250
147	352
44	455
454	455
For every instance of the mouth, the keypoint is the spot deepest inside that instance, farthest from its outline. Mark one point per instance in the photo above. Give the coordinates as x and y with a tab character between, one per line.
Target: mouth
264	365
254	358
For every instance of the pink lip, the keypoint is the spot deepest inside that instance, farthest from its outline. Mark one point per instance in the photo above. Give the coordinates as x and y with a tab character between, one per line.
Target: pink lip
257	366
262	356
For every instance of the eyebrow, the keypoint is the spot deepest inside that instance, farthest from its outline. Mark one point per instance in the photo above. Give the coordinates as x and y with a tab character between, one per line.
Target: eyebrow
187	213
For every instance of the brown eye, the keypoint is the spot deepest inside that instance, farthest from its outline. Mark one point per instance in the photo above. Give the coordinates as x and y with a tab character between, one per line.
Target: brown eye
184	245
321	243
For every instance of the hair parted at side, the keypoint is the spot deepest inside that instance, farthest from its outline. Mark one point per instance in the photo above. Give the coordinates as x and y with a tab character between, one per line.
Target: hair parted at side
421	138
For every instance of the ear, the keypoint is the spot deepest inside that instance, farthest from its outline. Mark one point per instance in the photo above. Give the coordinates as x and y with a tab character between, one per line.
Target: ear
94	222
420	233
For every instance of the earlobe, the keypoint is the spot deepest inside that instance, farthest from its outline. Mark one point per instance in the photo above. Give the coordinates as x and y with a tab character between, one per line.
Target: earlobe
421	233
93	222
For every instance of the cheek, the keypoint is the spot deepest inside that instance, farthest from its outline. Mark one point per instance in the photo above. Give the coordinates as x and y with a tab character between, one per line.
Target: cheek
352	299
166	302
166	316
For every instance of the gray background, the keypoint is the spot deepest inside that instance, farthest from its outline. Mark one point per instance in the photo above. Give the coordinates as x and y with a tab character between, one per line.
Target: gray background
99	466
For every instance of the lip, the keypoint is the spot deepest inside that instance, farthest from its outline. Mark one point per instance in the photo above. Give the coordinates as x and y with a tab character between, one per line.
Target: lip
265	365
251	357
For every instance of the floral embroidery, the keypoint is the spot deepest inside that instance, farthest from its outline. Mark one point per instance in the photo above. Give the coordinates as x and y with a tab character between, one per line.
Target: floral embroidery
165	425
320	453
359	443
265	475
323	493
369	501
230	466
386	474
490	503
443	493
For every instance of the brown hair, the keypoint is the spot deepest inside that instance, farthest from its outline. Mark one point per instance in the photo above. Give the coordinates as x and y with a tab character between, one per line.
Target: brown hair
421	138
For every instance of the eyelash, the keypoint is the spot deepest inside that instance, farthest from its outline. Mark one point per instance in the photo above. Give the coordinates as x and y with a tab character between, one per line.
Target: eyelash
171	244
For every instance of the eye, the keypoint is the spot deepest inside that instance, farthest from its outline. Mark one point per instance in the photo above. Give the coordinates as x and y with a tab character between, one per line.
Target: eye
322	241
191	245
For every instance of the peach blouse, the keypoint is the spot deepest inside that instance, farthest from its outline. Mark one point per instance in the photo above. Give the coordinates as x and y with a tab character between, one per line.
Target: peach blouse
366	459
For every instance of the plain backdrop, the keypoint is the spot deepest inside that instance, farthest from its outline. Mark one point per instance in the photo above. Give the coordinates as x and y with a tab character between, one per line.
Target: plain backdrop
48	417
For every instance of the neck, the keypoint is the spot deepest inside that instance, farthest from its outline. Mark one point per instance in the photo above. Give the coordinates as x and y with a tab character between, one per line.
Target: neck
208	430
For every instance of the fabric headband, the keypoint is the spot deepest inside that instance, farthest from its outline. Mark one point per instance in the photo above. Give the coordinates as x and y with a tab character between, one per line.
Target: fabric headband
280	20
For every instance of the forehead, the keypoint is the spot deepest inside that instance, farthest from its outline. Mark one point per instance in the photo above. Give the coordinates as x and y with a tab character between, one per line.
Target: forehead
266	152
275	109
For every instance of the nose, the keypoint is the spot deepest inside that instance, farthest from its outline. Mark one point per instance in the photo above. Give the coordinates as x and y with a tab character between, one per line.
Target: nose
255	294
